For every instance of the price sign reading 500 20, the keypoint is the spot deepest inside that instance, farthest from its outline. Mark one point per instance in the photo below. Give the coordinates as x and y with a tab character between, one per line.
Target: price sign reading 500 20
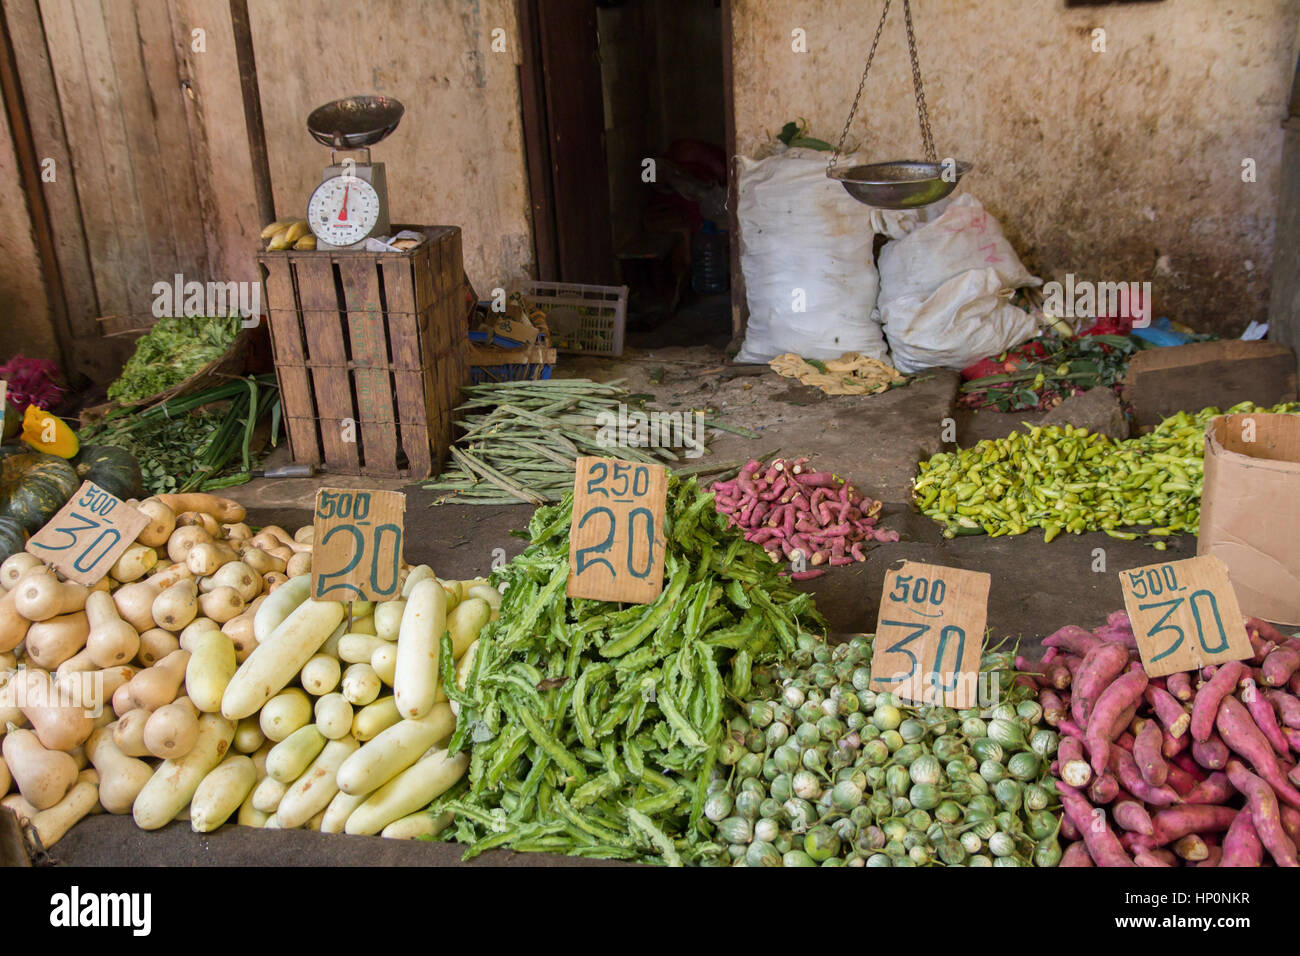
616	540
358	545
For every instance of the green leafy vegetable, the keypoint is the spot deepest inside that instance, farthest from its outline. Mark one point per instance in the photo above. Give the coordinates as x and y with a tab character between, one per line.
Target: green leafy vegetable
172	351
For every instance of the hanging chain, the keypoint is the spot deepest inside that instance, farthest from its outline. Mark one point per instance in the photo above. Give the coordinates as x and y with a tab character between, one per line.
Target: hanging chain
835	156
921	113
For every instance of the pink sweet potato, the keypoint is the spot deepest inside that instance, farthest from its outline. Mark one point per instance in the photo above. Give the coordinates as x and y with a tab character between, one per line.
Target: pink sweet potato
1206	705
1122	693
1118	630
1125	769
1171	714
1100	668
1068	830
1103	789
1178	822
1173	746
1265	717
1057	673
1103	846
1076	854
1290	822
1287	707
1264	813
1243	737
1241	844
1147	858
1214	789
1072	638
1213	857
1147	744
1053	709
1191	848
1187	763
1133	817
1074	769
1212	754
1180	685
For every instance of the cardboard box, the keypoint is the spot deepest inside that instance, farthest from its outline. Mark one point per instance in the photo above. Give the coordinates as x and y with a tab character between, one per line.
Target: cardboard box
1161	382
1250	510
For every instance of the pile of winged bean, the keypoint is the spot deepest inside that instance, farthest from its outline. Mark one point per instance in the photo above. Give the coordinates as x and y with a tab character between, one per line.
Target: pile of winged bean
596	728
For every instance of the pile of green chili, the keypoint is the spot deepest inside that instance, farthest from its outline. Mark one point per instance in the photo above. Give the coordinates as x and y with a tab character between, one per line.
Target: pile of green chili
595	726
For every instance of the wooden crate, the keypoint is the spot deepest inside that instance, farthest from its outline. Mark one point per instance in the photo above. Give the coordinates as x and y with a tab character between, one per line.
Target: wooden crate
373	339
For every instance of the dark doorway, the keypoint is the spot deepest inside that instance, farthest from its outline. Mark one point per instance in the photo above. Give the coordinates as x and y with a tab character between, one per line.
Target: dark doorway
626	121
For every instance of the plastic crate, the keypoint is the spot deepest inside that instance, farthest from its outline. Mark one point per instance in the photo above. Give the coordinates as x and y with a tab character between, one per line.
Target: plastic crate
583	319
491	364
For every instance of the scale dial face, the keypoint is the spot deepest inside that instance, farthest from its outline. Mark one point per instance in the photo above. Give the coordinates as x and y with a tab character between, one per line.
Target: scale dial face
343	210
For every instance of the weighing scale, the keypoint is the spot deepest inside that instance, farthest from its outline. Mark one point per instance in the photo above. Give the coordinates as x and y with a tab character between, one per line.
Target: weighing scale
899	184
351	203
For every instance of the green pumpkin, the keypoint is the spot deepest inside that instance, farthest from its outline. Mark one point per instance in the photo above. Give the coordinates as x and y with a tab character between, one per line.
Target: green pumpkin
33	487
12	537
113	469
13	422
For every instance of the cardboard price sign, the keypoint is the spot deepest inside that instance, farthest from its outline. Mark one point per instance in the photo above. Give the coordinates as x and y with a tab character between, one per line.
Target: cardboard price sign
358	545
1185	615
930	634
616	541
85	539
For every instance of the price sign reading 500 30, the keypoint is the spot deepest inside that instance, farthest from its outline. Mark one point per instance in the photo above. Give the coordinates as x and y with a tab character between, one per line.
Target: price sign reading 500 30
88	534
930	634
357	553
1185	615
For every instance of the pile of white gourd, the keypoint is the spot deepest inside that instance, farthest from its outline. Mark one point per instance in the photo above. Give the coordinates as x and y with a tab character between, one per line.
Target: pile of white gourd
198	682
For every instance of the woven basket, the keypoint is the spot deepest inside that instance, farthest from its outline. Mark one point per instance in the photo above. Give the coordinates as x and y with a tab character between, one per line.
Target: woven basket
228	365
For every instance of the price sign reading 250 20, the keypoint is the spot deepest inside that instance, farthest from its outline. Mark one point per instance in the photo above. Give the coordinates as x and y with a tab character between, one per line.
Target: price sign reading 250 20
616	540
358	545
930	634
87	536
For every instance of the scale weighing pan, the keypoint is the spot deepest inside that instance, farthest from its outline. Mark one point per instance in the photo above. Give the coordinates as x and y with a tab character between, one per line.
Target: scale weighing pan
356	122
904	184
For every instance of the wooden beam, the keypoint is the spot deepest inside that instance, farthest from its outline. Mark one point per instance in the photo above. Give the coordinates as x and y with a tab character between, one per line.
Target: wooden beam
739	307
29	170
252	109
537	150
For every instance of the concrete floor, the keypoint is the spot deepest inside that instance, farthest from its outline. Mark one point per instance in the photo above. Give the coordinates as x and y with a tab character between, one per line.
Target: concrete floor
1036	587
875	440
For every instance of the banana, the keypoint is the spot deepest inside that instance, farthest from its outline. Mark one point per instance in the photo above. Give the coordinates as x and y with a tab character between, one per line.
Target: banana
278	226
297	230
306	242
279	241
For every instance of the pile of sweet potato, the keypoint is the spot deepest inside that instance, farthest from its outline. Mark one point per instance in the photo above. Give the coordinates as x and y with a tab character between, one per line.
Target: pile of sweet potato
1195	768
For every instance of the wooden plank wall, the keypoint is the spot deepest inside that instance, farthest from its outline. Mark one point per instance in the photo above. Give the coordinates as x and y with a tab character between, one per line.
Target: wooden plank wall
457	157
144	123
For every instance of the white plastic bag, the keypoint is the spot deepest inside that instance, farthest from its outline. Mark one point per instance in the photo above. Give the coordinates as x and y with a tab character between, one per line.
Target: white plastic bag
967	318
805	251
964	237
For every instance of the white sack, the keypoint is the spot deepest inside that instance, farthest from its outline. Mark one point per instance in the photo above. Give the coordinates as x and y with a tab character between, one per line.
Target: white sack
966	319
802	231
964	237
